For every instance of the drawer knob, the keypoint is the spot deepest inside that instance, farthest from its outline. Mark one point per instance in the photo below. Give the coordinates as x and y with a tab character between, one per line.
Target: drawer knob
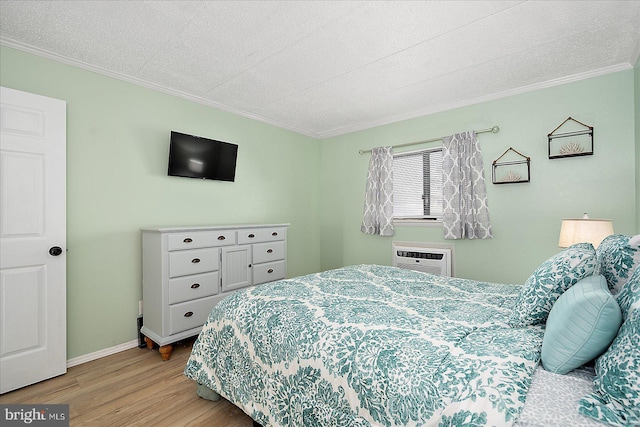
188	314
274	234
221	237
269	251
270	270
195	286
195	260
251	236
188	240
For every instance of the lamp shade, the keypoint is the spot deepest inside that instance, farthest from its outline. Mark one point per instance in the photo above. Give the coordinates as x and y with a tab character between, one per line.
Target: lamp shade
584	230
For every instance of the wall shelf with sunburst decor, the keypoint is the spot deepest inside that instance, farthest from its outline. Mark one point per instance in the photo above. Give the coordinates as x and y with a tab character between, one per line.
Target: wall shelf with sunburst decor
576	140
511	167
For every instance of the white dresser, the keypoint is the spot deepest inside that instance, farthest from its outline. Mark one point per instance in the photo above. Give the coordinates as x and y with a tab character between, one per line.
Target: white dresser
186	271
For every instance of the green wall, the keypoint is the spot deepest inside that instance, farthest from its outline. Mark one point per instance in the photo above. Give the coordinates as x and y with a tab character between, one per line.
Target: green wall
525	217
637	119
117	153
117	150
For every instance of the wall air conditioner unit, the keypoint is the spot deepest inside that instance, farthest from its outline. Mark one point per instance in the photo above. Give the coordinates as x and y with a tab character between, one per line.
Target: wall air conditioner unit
428	260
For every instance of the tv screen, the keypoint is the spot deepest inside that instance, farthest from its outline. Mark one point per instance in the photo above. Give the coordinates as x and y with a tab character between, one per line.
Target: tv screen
196	157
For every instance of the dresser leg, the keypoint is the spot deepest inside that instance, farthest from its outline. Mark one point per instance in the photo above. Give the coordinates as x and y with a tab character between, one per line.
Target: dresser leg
165	351
149	343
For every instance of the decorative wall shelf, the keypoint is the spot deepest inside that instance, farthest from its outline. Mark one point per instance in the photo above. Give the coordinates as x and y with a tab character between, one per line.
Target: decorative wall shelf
571	143
511	171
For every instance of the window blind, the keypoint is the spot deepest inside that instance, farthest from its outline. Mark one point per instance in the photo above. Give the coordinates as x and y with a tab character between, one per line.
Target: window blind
417	184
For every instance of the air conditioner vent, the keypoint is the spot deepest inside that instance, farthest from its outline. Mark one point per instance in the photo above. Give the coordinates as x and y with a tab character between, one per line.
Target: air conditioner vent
424	259
421	255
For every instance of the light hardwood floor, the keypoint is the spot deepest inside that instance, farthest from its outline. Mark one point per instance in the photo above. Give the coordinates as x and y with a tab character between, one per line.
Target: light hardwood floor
132	388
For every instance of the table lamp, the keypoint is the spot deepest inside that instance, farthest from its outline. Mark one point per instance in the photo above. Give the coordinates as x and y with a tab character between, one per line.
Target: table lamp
584	230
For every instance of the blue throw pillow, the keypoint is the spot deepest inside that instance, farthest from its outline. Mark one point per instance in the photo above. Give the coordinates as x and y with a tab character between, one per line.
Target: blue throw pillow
581	325
549	281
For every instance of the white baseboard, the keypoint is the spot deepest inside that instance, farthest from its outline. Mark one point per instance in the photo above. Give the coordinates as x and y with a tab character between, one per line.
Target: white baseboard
101	353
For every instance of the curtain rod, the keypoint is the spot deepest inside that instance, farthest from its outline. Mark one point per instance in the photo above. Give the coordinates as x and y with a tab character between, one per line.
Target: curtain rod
494	129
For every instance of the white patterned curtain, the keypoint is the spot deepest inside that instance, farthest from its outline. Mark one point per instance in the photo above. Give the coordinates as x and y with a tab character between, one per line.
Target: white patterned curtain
377	217
466	213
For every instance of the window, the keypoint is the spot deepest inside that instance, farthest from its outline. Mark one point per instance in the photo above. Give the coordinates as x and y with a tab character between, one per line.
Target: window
417	185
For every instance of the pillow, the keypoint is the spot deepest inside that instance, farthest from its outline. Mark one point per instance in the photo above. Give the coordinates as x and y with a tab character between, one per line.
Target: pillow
581	325
618	257
549	281
630	293
616	396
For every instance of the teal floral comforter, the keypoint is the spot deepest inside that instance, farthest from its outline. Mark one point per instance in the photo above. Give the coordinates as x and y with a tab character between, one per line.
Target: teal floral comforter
369	346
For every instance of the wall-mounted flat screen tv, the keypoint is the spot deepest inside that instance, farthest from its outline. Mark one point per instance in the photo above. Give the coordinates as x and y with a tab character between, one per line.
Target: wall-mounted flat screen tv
196	157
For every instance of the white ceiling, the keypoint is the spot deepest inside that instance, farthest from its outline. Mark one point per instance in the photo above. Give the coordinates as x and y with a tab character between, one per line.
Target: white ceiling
324	68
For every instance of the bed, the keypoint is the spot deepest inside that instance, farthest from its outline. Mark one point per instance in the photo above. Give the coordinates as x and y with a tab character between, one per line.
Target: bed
372	345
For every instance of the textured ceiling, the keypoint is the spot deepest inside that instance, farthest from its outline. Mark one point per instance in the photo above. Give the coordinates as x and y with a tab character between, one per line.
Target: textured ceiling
324	68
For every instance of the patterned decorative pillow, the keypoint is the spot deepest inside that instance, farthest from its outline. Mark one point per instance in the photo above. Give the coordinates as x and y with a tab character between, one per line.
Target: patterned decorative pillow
618	257
581	325
554	276
629	295
616	399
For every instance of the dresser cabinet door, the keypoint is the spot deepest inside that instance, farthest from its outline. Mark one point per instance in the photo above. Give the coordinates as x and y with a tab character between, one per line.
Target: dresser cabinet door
236	268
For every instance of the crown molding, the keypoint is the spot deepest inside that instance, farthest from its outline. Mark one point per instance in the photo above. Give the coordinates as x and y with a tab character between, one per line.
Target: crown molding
472	101
635	53
356	127
149	85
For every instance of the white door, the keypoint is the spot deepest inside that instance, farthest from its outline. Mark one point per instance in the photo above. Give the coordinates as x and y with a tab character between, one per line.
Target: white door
32	239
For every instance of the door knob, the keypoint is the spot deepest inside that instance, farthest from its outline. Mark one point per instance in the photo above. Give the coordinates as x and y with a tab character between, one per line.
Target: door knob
55	250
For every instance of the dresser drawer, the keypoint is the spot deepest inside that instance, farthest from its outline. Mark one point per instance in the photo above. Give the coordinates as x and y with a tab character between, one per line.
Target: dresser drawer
257	235
193	287
191	314
265	252
200	239
268	272
195	261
